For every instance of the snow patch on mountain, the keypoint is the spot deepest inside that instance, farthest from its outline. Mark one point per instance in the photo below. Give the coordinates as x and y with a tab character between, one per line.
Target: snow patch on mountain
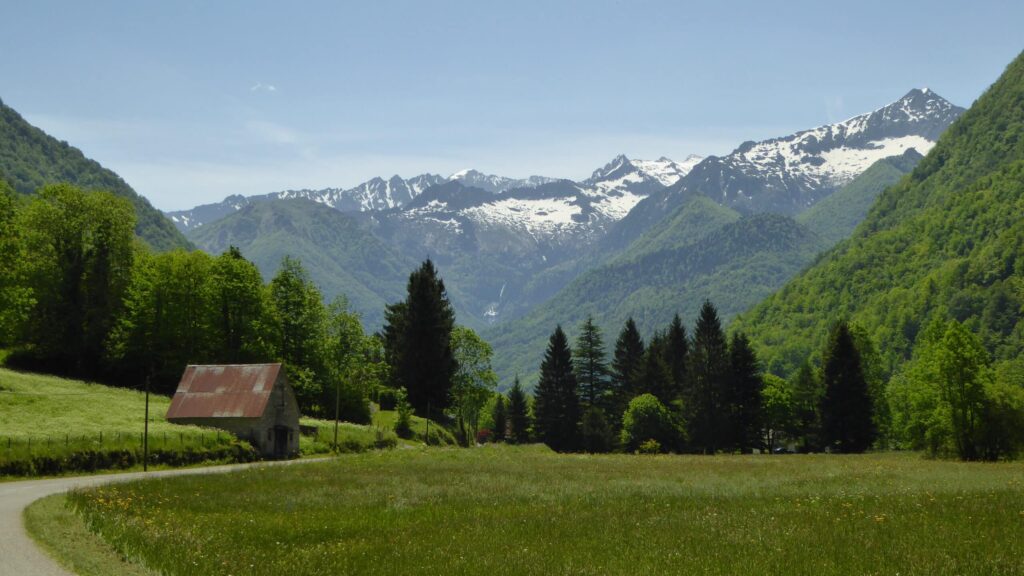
667	171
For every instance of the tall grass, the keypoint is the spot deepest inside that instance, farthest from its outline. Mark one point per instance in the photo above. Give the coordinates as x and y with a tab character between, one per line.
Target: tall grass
507	510
351	437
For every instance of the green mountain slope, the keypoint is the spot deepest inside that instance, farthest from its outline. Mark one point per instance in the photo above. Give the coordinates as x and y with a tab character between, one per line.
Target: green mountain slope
948	240
835	217
736	265
694	219
30	158
341	256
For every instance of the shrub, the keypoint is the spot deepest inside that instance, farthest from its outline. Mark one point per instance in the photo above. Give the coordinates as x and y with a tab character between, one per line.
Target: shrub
649	446
648	419
386	398
403	425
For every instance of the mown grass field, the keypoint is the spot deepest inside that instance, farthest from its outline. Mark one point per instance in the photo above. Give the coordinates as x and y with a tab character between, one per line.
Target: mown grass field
524	510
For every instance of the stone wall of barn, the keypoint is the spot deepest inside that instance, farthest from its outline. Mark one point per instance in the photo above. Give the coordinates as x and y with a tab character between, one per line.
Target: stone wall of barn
282	410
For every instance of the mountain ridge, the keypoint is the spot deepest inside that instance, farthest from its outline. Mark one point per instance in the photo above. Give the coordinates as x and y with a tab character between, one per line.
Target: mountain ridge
30	158
943	243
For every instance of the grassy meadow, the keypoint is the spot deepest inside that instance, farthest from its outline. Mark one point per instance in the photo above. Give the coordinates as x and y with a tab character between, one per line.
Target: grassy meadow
50	425
525	510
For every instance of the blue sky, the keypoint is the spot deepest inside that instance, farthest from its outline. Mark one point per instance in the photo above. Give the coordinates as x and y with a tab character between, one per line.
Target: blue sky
190	102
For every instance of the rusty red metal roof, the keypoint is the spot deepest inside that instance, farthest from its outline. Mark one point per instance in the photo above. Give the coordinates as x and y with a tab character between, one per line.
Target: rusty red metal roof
224	391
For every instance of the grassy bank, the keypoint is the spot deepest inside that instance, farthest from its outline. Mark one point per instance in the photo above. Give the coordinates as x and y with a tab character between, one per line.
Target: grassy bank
351	437
51	425
502	510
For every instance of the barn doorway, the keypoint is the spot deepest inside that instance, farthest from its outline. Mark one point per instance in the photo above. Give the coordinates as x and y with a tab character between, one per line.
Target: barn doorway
280	442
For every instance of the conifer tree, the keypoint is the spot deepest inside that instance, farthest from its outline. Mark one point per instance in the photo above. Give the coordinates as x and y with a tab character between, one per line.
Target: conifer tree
596	435
500	416
518	415
417	337
676	353
847	423
708	370
653	376
629	353
746	408
556	401
590	365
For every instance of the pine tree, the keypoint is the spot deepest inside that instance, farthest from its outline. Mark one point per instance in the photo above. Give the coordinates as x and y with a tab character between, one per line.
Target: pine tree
417	337
590	365
846	412
557	403
745	403
500	416
653	376
518	415
596	435
629	353
676	353
708	370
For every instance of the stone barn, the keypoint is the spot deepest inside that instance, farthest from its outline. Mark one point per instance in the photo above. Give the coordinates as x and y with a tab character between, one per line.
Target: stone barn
252	401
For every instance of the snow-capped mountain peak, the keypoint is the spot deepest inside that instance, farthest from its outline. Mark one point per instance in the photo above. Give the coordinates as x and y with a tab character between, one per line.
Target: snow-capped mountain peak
496	184
788	174
616	168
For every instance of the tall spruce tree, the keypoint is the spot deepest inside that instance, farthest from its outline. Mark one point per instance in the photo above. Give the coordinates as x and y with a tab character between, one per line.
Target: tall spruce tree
518	415
676	353
629	354
417	337
745	384
709	362
654	376
847	423
556	401
500	416
590	365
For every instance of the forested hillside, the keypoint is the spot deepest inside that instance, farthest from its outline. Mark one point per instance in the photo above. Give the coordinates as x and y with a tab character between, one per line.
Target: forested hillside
946	243
837	216
30	158
737	264
342	257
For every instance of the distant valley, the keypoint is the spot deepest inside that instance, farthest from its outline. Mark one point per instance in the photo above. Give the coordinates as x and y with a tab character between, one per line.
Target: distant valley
640	238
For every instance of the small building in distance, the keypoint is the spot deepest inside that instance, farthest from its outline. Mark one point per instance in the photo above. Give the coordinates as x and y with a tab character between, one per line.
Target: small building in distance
252	401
